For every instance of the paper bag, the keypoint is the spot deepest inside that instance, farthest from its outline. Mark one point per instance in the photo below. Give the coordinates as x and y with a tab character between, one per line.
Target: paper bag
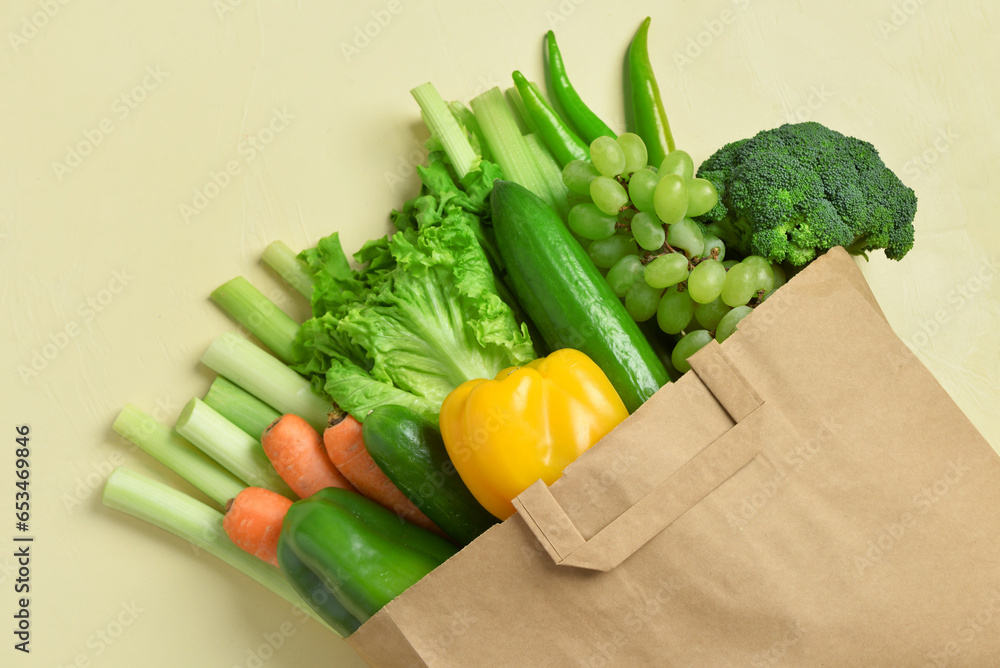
807	495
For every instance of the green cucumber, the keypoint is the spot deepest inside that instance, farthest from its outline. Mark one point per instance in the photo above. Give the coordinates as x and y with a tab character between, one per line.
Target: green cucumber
566	297
409	450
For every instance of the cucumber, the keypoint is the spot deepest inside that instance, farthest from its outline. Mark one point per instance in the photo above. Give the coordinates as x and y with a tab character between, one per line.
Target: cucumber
566	297
409	450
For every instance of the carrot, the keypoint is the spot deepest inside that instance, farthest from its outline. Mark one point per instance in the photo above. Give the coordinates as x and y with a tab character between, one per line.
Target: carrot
346	450
253	521
296	452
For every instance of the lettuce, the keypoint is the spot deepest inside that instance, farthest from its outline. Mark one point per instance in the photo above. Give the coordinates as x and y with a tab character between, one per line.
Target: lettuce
422	315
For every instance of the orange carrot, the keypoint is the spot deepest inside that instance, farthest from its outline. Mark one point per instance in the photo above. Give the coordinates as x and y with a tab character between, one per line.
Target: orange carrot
296	452
253	521
346	450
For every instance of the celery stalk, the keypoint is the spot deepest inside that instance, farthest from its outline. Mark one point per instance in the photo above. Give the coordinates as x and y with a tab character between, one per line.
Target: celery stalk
169	448
240	407
466	118
552	174
229	445
173	511
525	123
286	263
443	125
264	376
262	317
508	145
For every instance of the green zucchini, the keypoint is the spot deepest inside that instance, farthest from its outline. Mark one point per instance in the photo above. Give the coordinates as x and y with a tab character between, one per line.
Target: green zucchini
566	297
409	450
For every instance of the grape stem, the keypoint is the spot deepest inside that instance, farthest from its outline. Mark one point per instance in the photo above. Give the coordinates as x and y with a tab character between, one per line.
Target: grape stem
666	250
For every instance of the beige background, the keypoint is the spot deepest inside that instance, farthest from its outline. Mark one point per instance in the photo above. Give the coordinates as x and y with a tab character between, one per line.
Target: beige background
105	274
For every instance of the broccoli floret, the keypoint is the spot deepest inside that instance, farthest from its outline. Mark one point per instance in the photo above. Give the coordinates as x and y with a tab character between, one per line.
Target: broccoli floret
794	192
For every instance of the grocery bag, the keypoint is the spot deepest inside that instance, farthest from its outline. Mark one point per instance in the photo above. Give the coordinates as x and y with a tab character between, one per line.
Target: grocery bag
806	495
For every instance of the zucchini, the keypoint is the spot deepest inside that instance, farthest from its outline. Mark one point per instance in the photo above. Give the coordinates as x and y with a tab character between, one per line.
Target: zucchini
409	450
566	297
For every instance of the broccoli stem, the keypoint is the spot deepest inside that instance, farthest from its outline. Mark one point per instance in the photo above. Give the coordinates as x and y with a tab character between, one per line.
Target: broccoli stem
859	246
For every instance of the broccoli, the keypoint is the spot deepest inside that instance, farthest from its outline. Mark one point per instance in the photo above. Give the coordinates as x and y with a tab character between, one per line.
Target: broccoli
791	193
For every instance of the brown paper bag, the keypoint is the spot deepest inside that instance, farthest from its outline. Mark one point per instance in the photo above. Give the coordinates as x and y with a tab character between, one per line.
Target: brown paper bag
807	495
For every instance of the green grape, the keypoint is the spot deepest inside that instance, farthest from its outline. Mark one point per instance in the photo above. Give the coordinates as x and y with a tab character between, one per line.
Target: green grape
729	321
634	150
607	156
729	264
675	310
666	270
577	175
590	222
606	252
608	194
689	344
712	242
708	315
740	285
686	235
648	231
678	162
780	278
641	186
624	274
763	274
702	196
706	281
641	301
670	198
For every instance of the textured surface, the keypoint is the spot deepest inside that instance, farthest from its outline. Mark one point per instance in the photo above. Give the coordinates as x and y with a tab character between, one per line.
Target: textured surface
105	275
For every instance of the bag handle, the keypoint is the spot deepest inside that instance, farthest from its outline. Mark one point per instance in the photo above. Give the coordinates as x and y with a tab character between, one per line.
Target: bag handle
666	502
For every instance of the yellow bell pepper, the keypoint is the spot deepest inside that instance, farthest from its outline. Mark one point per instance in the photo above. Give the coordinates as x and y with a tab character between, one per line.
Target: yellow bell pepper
528	423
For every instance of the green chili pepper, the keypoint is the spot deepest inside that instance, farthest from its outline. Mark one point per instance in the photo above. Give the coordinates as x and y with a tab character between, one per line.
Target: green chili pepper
564	144
348	556
647	107
586	122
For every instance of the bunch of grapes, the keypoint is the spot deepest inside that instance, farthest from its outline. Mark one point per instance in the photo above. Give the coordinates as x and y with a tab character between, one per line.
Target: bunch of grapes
636	221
